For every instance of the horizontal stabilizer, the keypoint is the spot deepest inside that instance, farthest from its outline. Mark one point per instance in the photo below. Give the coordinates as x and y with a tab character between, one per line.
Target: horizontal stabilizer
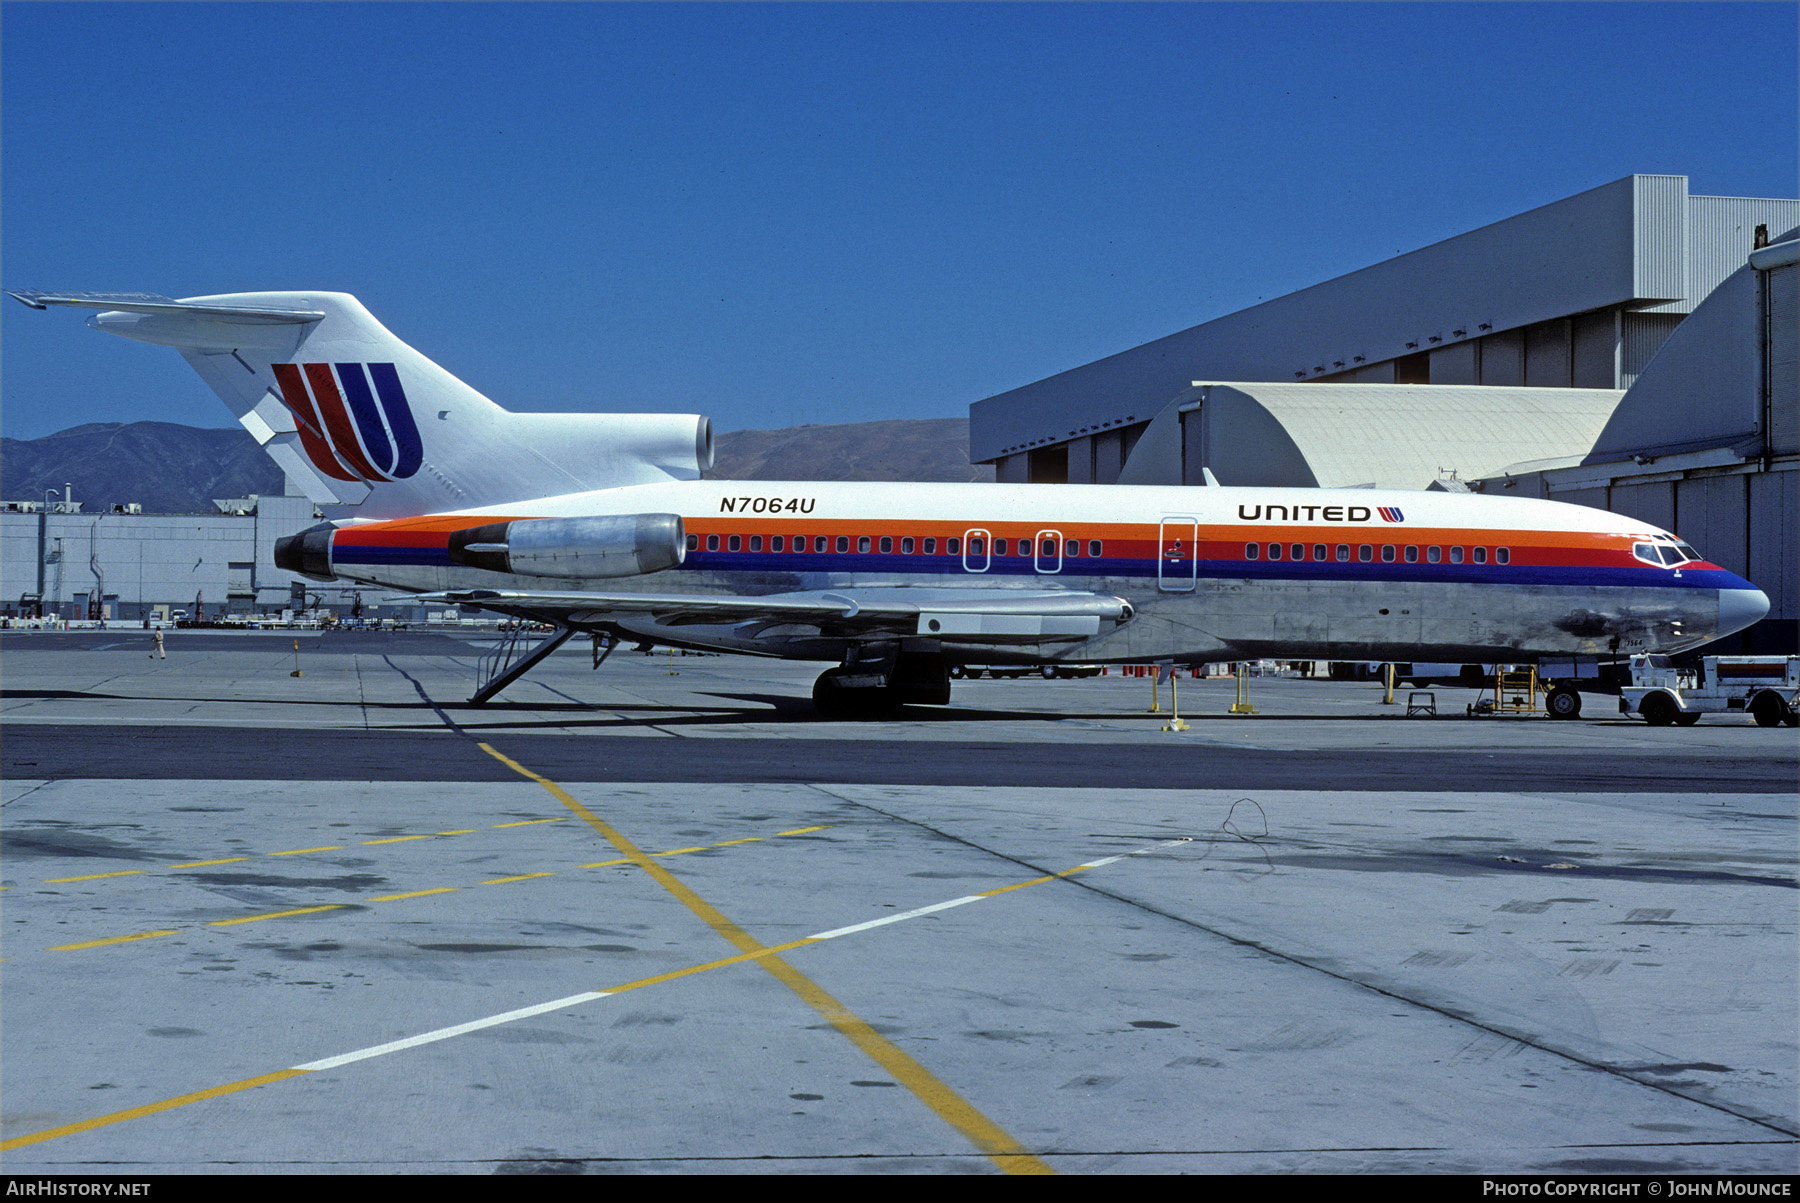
154	305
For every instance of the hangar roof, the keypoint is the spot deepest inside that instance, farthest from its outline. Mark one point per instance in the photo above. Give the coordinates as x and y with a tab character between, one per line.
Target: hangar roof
1402	436
1640	244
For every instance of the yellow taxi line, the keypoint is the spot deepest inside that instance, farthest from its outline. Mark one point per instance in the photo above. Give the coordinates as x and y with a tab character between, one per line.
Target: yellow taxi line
1019	1162
1004	1150
408	894
303	910
232	860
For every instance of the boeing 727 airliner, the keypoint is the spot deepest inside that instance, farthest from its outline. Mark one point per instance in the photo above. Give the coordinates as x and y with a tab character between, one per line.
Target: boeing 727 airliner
602	523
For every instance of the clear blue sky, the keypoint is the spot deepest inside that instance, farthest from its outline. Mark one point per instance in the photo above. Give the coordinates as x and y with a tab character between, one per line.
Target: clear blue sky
784	213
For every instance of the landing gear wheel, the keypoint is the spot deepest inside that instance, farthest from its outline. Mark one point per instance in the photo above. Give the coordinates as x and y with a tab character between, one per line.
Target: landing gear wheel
1563	702
1770	711
1658	710
1050	672
833	700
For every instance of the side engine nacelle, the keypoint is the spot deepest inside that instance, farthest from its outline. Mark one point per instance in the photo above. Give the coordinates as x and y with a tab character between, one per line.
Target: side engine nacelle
574	548
594	547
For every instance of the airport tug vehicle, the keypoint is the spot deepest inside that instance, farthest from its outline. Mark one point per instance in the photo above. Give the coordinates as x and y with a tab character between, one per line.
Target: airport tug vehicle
1765	687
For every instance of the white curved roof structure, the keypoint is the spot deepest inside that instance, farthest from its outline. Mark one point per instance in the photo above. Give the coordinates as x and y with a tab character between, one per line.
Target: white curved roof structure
1400	436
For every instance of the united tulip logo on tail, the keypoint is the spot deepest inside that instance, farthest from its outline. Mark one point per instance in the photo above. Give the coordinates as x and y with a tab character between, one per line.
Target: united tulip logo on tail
1389	513
333	405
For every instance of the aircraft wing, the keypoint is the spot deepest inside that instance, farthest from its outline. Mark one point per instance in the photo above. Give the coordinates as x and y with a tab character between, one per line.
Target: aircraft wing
983	615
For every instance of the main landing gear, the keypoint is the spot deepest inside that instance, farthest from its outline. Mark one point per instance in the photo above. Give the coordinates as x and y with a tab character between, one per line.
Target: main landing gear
1562	702
878	679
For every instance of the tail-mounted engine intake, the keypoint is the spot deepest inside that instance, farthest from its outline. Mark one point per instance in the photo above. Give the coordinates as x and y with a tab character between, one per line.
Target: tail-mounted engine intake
621	545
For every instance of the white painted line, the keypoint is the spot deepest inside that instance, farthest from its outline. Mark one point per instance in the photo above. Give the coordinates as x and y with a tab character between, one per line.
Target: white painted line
924	910
460	1029
1174	843
944	906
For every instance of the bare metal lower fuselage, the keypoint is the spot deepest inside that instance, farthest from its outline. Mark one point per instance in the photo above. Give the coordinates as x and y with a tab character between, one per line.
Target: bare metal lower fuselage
1211	619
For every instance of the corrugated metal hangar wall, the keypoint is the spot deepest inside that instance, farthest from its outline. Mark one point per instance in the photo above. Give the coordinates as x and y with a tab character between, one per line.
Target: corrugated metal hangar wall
1576	294
1590	293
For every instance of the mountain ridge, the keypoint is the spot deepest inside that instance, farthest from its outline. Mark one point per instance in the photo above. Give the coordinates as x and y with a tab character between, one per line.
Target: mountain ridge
170	468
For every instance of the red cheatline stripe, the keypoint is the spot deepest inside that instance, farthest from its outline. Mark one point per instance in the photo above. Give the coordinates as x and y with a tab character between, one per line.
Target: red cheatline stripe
352	537
295	397
337	421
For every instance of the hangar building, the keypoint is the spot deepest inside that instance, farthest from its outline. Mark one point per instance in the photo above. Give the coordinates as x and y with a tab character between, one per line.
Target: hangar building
1574	351
123	564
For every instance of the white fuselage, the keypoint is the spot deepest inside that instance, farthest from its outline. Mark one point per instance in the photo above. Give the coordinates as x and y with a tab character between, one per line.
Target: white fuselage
1210	573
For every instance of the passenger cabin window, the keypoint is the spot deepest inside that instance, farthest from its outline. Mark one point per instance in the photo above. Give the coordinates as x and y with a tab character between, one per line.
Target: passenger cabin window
1318	551
1481	555
1412	554
999	547
976	547
1456	555
843	543
862	544
1502	555
931	547
1072	547
1434	554
906	547
1094	548
737	543
755	542
1251	550
1343	553
953	547
777	542
712	542
1364	552
693	542
1387	553
1274	551
1297	552
887	544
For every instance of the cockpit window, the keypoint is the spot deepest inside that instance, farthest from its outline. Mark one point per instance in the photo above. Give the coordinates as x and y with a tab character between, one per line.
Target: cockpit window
1668	553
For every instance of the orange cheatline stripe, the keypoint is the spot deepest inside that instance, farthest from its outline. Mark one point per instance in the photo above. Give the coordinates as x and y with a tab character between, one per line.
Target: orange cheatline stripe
1000	1147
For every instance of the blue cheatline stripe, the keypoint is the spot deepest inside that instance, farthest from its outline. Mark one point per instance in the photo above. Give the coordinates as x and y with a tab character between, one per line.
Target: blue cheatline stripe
431	556
950	568
400	419
368	422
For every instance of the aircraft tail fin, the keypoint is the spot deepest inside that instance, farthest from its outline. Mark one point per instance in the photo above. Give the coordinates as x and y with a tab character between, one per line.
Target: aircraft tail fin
368	427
